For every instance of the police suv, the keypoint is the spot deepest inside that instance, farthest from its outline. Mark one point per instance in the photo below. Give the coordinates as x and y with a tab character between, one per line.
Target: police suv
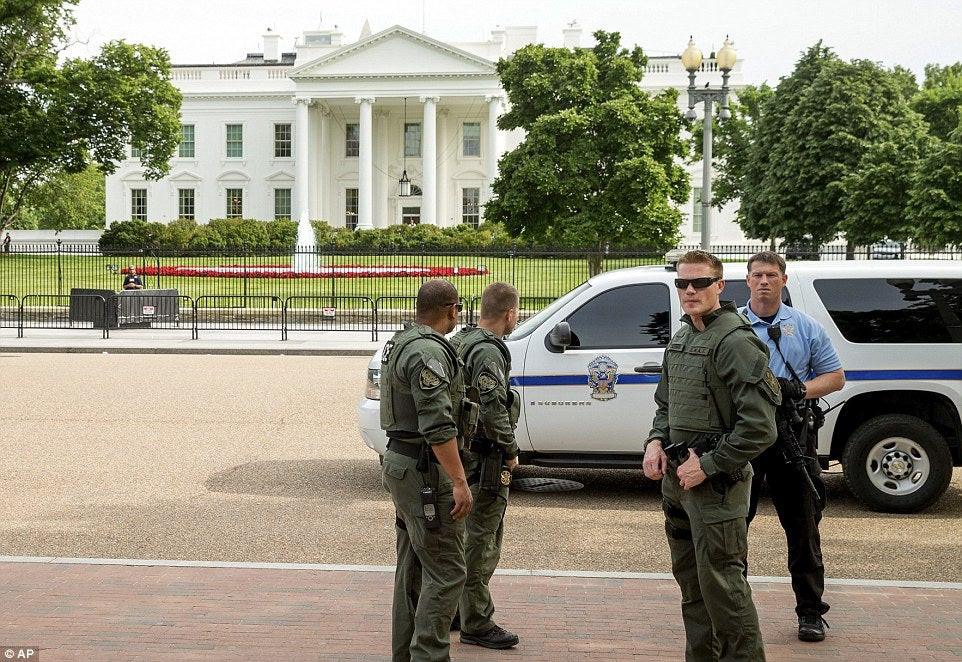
587	365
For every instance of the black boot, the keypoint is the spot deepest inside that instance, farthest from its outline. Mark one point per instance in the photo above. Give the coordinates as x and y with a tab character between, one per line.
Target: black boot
811	627
496	637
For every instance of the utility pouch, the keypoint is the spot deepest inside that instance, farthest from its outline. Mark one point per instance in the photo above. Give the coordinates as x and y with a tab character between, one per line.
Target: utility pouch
491	473
429	506
470	412
514	406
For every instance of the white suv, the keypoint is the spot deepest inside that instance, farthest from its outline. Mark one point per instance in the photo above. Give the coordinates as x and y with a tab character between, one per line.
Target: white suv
587	365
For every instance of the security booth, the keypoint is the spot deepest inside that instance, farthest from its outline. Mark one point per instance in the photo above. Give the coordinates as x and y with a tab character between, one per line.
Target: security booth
127	308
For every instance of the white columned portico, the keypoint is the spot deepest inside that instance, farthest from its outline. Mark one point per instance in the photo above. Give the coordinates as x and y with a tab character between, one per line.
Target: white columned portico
382	181
494	140
301	171
429	160
443	210
365	165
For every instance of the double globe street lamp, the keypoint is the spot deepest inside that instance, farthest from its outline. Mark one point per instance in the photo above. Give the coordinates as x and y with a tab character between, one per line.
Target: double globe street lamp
691	59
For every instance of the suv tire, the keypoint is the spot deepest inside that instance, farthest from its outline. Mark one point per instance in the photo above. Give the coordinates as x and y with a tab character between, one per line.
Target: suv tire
897	463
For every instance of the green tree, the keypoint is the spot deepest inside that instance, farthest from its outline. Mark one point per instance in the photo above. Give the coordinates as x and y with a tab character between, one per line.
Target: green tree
73	201
601	160
940	99
935	199
807	137
61	117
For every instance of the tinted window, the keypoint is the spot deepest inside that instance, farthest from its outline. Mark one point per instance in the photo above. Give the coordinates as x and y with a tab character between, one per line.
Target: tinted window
737	291
632	316
896	310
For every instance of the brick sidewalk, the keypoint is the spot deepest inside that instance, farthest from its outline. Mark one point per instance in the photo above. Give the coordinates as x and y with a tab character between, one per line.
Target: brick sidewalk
87	611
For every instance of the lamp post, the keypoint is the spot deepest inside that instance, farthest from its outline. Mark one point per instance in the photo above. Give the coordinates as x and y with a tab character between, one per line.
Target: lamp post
691	59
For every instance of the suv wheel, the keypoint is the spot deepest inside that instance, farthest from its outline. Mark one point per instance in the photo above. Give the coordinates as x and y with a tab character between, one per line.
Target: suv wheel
897	463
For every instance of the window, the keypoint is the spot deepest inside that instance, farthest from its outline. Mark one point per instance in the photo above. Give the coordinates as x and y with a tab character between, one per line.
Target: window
350	208
736	290
186	149
410	215
352	143
894	310
625	317
235	203
696	212
282	203
235	141
282	141
185	203
138	204
136	152
412	139
471	139
471	206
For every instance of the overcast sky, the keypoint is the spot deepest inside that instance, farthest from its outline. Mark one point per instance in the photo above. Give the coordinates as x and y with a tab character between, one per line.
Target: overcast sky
768	34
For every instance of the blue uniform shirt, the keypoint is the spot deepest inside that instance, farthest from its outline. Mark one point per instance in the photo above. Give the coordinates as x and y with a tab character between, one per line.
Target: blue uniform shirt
804	344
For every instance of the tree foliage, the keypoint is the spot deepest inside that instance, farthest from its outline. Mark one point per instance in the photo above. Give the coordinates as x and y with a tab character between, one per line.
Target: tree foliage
934	209
601	160
61	117
940	99
66	200
831	149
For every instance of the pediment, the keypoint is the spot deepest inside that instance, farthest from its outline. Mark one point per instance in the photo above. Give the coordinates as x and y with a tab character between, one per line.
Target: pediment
280	176
185	176
392	53
233	176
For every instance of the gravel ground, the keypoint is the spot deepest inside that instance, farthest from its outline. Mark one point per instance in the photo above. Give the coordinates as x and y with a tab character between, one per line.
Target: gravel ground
257	458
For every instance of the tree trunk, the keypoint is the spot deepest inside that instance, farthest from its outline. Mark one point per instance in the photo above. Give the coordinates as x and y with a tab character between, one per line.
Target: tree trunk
596	260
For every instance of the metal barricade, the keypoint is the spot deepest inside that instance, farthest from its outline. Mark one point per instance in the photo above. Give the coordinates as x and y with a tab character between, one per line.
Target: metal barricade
238	313
9	312
326	313
62	311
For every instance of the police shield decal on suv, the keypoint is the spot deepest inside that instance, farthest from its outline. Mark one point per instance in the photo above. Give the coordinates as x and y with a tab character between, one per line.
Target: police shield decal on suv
587	367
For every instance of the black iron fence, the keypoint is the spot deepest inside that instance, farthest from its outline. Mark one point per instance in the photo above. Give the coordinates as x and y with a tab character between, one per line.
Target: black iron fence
311	288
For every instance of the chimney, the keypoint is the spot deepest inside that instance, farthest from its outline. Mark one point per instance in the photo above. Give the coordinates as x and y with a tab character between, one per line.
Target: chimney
572	35
272	46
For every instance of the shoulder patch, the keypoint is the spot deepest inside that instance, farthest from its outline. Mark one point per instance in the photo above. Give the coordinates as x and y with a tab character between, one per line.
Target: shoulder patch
435	366
771	388
428	379
487	382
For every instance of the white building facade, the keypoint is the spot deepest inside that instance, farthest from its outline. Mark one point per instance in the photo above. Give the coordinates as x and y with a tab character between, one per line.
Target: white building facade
326	133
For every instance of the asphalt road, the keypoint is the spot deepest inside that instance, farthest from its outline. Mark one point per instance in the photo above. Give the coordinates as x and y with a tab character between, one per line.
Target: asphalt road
257	458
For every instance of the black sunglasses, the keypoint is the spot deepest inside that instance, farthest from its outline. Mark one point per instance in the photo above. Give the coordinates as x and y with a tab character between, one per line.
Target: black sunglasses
459	305
697	283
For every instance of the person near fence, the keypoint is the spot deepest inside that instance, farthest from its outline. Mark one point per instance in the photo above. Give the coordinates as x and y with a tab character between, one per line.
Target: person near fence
490	456
425	415
132	280
807	367
6	243
715	411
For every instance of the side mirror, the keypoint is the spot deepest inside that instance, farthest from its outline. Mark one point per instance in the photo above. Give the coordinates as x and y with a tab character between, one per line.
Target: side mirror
559	338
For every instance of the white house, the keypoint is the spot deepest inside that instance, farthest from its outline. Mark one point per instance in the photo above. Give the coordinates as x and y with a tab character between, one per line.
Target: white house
327	133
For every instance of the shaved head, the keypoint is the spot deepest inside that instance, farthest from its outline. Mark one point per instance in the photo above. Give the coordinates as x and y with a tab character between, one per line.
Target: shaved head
435	297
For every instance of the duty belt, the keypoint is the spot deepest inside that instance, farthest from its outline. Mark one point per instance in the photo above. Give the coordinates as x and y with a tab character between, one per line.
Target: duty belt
408	449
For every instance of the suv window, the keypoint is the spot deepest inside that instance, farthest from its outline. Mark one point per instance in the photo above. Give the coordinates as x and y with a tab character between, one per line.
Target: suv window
629	317
895	310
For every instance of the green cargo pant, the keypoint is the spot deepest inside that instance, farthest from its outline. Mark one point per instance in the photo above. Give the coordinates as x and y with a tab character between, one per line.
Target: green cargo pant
708	539
484	531
430	566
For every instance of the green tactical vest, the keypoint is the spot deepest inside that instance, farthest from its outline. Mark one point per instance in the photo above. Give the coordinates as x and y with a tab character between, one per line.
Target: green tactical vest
398	411
464	345
698	399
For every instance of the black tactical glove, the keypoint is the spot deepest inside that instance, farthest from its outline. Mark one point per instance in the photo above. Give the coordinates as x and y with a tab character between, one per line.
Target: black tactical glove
791	389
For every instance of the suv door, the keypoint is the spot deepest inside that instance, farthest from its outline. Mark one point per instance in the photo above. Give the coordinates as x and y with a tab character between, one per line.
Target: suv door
590	399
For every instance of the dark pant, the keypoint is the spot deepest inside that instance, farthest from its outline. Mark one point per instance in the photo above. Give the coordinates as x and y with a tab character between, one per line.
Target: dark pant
799	516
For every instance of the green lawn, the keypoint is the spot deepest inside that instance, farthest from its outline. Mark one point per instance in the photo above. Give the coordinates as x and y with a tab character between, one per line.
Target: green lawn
535	277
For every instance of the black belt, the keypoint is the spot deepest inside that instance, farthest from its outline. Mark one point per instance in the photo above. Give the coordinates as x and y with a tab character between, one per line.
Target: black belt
408	449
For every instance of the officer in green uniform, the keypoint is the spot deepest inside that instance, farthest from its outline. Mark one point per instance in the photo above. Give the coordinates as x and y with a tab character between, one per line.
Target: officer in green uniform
716	411
489	459
424	413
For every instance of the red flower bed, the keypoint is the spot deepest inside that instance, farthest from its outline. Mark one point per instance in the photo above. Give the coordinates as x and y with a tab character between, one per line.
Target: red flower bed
342	271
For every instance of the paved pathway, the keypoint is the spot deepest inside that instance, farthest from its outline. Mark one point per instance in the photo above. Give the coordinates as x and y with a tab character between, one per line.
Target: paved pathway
81	609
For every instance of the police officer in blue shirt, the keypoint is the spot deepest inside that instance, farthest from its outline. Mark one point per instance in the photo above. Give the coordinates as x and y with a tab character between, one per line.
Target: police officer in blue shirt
807	368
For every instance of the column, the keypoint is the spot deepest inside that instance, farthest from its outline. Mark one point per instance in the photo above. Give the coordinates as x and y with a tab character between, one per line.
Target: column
494	140
365	166
429	162
324	199
301	171
444	212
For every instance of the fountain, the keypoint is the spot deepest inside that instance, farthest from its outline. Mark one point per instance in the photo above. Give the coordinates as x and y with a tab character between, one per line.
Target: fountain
304	259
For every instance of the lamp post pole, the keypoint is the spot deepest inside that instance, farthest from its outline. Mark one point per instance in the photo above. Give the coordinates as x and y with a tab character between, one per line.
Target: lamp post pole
691	59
